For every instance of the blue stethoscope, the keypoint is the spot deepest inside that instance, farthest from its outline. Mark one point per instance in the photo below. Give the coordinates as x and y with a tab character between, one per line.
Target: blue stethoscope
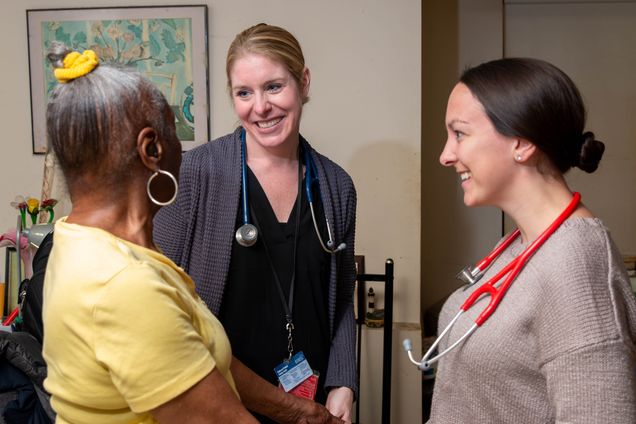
247	234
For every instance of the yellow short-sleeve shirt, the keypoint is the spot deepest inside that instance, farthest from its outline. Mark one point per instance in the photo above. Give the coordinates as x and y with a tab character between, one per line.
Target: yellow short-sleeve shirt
124	329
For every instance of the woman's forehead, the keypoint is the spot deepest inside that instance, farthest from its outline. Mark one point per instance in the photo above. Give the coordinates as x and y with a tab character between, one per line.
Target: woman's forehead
463	106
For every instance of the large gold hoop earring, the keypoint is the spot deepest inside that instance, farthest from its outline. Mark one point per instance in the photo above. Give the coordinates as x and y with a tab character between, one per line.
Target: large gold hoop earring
174	181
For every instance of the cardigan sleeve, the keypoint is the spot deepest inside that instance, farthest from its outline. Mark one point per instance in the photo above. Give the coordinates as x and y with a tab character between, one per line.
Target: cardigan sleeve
341	370
196	232
171	224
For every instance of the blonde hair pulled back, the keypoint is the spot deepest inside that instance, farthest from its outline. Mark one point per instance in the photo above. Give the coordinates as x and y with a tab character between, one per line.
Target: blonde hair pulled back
270	41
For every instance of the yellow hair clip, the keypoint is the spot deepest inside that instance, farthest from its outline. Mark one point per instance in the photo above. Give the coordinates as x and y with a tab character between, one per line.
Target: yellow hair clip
76	65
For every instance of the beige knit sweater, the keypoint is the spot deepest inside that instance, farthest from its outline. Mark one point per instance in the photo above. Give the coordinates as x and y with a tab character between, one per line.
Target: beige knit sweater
560	348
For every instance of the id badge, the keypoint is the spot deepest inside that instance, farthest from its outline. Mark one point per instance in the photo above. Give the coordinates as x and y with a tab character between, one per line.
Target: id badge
293	372
308	388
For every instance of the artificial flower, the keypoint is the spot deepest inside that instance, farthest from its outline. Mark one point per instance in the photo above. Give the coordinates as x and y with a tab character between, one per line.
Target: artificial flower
33	207
47	205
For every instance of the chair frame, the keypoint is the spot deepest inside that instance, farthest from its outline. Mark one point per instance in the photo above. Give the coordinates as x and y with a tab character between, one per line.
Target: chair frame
361	280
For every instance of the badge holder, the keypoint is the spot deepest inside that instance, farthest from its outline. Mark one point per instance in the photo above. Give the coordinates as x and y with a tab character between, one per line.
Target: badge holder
294	374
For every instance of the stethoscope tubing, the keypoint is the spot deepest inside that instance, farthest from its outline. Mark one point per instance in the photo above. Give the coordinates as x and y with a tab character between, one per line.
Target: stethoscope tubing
471	275
427	361
516	265
484	263
246	216
512	270
310	178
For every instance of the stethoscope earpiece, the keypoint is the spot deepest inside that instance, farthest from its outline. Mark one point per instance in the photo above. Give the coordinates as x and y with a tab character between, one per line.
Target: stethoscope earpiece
408	347
341	246
246	235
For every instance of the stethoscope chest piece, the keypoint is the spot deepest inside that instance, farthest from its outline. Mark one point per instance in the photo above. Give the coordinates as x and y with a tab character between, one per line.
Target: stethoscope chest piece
469	275
246	235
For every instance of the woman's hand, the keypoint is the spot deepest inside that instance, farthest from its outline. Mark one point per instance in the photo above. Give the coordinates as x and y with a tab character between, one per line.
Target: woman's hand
340	402
307	412
266	399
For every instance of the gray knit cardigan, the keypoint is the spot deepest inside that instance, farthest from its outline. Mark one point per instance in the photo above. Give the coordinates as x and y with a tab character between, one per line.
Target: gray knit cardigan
196	232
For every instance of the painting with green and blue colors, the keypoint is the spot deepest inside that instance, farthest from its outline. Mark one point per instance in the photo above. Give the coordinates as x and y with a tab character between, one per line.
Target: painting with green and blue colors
161	49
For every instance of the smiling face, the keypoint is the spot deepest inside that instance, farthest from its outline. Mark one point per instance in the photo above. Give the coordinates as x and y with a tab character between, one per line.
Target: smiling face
482	157
268	101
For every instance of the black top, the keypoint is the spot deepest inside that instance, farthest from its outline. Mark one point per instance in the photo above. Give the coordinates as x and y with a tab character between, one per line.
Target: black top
252	312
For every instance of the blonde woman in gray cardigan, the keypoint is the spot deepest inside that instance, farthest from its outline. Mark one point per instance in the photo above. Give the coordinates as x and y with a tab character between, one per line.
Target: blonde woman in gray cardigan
289	281
560	346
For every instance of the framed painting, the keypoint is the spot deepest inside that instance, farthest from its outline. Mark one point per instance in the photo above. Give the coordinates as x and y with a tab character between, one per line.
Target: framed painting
167	44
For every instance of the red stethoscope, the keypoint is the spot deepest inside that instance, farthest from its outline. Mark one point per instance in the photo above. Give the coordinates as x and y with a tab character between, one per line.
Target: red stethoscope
472	275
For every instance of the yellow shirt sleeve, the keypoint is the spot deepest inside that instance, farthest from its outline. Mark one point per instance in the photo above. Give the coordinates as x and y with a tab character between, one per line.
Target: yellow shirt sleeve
145	336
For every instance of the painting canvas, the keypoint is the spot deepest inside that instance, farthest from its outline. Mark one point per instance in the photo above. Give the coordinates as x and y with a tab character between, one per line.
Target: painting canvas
166	44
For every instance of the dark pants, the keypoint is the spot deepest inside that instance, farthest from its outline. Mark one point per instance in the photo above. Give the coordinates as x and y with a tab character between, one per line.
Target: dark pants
26	408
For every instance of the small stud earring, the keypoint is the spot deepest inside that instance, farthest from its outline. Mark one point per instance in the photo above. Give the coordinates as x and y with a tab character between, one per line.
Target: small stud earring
518	158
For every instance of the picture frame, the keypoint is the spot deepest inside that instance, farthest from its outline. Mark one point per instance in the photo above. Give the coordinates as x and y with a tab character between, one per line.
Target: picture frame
167	44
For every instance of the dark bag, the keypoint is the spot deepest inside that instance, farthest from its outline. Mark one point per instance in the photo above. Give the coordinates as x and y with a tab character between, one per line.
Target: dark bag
22	371
31	291
22	368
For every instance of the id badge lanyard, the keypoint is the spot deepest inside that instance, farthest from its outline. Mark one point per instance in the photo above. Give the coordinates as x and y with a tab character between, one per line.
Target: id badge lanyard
289	304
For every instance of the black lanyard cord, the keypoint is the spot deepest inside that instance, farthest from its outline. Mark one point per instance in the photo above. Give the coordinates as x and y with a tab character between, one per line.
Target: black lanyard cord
289	305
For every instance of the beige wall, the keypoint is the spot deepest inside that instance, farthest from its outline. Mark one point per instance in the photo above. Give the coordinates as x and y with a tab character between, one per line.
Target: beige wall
364	113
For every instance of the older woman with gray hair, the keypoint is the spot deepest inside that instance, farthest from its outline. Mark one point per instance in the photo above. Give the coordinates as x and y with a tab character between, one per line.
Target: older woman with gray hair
127	338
